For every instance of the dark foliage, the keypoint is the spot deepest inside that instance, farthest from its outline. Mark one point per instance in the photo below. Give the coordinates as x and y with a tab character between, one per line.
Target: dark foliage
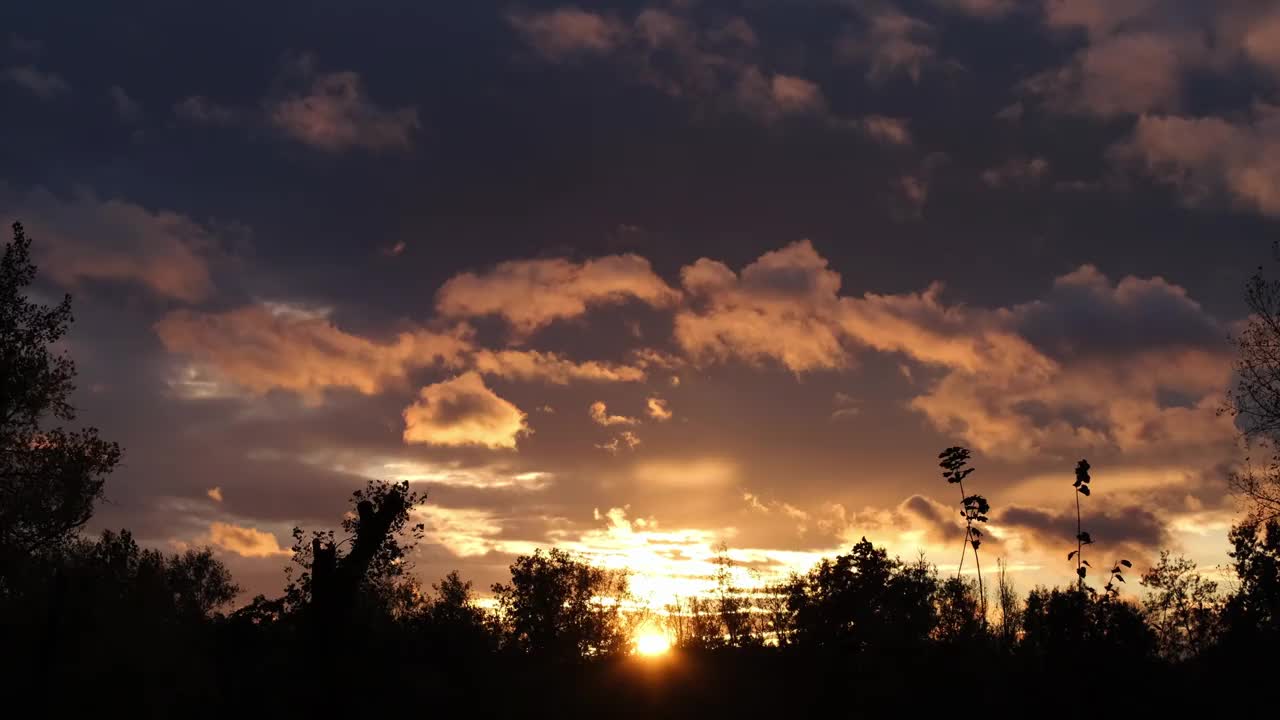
50	477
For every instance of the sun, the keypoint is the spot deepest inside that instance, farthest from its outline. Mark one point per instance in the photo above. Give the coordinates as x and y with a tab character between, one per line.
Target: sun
652	644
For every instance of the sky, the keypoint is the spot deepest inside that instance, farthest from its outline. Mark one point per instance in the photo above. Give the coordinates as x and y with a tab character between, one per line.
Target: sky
639	279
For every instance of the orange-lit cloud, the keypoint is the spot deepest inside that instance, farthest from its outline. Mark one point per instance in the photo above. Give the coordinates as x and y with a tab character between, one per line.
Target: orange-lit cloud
599	413
463	411
779	309
714	68
567	31
244	541
85	238
658	409
262	349
891	131
1015	381
549	367
530	294
333	113
625	440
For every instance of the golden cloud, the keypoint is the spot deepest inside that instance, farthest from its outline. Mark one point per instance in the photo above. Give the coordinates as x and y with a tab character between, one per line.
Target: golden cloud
530	294
244	541
262	350
463	411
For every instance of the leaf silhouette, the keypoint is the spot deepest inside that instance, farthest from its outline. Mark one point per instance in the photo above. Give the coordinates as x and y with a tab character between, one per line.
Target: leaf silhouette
1072	554
1126	563
1081	572
1084	490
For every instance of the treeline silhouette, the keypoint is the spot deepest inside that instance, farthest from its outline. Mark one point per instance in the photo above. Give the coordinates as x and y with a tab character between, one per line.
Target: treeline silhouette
100	625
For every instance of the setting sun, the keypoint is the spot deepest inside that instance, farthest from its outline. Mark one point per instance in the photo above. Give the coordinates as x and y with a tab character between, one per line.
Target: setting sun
652	644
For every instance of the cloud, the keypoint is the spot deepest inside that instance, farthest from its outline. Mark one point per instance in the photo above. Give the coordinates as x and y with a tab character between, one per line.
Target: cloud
463	412
980	8
713	68
214	494
1133	364
887	130
890	42
261	349
530	294
42	84
455	475
1123	74
84	238
772	97
127	109
244	541
464	532
334	114
565	32
846	406
1126	526
1208	158
1017	172
203	111
550	367
658	409
1139	56
625	440
777	309
599	413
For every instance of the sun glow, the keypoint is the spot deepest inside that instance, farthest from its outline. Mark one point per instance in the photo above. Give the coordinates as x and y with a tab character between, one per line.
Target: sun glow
652	644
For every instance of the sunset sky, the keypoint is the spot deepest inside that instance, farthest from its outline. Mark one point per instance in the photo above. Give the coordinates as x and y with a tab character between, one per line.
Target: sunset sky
634	279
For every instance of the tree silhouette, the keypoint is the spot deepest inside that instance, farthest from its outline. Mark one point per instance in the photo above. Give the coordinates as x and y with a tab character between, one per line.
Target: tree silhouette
375	567
733	605
960	618
1252	613
562	608
1010	612
1254	401
1181	607
50	477
863	600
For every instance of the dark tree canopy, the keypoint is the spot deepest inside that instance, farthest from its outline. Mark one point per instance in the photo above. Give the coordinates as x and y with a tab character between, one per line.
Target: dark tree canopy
1252	614
863	600
562	607
373	569
50	477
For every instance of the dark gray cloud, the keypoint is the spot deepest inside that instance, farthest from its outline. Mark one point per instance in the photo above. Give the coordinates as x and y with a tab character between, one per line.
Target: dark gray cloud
1110	529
